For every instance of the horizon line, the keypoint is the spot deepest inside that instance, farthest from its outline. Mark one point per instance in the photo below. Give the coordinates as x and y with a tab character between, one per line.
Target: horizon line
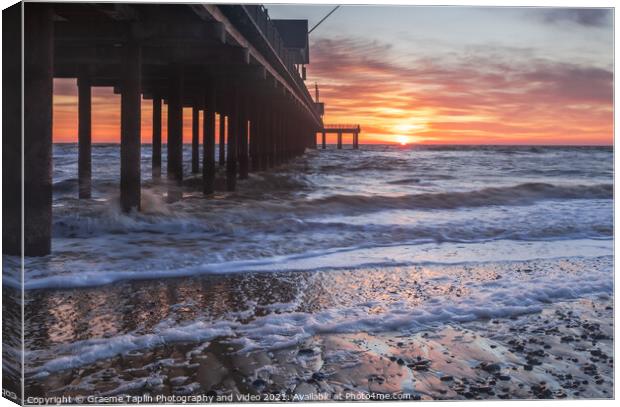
392	144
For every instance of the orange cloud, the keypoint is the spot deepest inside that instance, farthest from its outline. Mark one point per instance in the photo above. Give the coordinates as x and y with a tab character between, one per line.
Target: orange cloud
476	98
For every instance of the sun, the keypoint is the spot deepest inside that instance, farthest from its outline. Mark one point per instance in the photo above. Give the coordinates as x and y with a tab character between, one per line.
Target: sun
404	133
403	140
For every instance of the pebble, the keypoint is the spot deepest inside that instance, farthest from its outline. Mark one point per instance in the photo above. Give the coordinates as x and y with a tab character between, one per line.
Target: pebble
305	352
491	368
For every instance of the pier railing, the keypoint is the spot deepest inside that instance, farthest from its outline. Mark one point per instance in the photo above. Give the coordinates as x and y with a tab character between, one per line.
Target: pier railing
267	38
335	127
261	18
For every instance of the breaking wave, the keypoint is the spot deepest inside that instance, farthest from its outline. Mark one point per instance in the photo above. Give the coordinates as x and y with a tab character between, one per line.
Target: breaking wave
521	194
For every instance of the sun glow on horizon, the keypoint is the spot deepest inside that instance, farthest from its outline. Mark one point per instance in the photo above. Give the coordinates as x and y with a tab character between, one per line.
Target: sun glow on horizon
404	132
403	140
409	127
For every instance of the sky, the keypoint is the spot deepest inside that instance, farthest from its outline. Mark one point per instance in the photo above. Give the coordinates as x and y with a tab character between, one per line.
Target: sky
437	75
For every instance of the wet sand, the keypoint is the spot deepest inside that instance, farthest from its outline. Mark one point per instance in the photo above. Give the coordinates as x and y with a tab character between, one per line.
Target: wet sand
563	351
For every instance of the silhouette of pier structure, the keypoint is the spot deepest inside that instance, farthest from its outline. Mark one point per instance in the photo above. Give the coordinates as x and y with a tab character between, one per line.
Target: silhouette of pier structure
338	129
230	62
341	129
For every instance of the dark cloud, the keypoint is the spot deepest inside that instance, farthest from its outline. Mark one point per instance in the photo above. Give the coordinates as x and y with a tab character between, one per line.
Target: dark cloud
588	17
568	82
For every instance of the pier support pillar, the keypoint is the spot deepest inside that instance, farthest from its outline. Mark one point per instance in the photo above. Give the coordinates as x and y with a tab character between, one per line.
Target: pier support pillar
287	141
195	139
243	140
130	127
175	134
37	142
12	134
355	141
277	140
253	137
281	140
256	136
323	140
254	160
231	148
208	142
222	140
84	136
262	140
267	146
156	160
339	140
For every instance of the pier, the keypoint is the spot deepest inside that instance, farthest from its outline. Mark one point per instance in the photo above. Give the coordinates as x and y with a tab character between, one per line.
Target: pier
228	63
341	129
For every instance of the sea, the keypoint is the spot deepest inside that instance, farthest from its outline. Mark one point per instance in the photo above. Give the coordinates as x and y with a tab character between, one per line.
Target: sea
387	238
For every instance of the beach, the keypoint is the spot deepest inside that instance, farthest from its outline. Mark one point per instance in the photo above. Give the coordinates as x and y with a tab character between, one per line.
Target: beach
561	347
388	273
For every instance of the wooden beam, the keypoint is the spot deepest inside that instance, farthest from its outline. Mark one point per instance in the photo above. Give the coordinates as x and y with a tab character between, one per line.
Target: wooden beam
208	142
175	133
160	54
156	159
37	142
130	129
148	33
231	148
84	136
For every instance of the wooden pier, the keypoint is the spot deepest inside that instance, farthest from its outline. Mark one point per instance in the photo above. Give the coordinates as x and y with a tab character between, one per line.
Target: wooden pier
230	62
341	129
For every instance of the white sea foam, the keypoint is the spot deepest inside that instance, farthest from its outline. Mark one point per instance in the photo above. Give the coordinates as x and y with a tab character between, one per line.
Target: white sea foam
507	297
337	258
86	352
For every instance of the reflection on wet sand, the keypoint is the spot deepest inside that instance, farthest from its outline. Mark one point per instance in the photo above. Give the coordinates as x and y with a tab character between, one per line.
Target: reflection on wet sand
395	330
65	316
470	362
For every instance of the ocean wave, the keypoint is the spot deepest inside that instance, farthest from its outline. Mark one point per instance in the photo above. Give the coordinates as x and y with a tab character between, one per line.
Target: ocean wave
521	194
279	220
420	252
405	181
268	183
